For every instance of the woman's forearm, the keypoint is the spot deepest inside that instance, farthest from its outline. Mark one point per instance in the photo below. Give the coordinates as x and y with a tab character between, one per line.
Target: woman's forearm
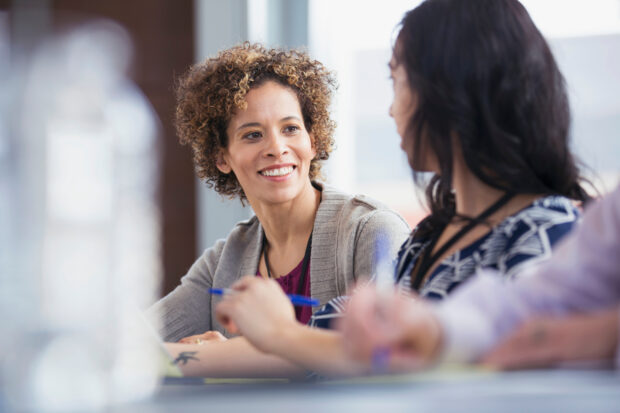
235	357
316	350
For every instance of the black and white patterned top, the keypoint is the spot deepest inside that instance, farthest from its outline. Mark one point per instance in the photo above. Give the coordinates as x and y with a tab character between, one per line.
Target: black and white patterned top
520	240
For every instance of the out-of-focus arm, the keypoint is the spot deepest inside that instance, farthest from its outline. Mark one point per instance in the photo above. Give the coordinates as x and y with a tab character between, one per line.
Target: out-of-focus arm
584	340
233	358
617	357
583	275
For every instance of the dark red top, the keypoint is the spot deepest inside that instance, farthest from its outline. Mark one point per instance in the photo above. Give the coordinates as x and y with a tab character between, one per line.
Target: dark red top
289	284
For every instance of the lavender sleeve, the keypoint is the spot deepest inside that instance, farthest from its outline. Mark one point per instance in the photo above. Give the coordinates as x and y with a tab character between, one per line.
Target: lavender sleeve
583	275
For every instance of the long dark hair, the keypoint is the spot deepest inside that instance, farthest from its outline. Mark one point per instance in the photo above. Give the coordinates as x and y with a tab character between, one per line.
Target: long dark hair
482	71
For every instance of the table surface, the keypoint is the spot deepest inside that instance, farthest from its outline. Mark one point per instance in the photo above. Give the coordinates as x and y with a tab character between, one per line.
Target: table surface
467	390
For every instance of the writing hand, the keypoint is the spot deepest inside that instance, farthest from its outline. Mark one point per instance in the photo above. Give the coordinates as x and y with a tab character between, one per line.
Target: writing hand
390	332
258	309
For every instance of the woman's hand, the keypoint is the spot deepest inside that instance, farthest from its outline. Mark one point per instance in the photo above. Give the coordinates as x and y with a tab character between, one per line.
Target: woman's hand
213	336
389	331
545	341
258	309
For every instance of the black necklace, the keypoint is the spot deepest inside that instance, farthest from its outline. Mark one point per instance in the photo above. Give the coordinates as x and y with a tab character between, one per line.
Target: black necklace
304	264
428	259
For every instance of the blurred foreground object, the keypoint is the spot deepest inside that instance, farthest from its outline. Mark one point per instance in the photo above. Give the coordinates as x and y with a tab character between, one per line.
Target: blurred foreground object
582	340
84	230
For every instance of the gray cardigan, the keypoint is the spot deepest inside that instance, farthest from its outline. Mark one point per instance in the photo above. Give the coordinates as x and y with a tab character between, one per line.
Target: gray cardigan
342	251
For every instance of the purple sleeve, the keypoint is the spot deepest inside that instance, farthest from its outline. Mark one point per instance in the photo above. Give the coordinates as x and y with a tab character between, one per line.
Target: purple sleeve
582	275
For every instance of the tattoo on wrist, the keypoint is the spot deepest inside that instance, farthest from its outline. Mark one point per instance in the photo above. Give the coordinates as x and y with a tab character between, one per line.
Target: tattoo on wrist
184	357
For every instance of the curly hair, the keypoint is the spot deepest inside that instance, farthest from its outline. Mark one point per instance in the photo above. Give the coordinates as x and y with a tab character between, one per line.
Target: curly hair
209	93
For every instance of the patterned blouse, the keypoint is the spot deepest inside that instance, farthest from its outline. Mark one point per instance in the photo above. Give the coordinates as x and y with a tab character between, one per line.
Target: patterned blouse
520	240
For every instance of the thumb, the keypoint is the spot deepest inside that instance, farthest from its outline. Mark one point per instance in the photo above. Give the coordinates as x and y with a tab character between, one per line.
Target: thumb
222	315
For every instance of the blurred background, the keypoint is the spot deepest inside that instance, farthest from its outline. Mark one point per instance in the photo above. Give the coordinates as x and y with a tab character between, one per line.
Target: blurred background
351	37
100	211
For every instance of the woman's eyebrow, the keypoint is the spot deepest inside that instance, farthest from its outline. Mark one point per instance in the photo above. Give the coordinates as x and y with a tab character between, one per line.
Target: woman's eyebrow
257	124
290	118
248	125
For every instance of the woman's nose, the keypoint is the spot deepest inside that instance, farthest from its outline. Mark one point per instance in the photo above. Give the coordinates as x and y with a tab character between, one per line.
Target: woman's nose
390	111
276	145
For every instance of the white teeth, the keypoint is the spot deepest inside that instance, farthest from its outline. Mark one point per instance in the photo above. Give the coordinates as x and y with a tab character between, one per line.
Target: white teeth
278	172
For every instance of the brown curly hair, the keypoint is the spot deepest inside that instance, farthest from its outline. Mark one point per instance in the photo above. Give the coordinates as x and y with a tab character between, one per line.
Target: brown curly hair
210	92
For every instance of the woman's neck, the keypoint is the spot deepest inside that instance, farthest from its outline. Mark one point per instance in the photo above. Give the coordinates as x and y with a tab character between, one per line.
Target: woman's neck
287	224
471	195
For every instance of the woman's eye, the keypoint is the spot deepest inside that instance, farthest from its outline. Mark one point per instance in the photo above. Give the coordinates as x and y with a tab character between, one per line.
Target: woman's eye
291	129
252	135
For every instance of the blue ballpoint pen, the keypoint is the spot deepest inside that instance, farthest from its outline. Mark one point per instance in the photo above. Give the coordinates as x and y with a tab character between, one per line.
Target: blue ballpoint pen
295	299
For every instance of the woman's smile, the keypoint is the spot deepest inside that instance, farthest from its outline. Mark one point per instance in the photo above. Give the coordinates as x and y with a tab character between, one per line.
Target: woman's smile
277	172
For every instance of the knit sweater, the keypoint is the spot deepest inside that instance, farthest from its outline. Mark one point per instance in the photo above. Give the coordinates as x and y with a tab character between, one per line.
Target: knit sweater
344	250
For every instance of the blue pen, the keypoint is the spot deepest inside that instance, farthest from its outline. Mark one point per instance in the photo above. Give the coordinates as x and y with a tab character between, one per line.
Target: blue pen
295	299
380	360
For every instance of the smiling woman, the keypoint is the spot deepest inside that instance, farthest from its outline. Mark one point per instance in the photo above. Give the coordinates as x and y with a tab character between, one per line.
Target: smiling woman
209	94
259	126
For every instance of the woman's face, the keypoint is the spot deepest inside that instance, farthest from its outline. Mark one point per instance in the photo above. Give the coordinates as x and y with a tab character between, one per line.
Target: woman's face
404	103
269	149
402	109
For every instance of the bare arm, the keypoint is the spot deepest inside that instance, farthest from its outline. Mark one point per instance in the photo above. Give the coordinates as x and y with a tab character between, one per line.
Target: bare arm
235	357
317	350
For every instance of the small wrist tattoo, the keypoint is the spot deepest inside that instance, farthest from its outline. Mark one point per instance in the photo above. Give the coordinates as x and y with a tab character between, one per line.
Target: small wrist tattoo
184	357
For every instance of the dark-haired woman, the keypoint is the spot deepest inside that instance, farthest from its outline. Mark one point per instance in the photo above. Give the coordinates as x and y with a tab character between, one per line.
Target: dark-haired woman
479	102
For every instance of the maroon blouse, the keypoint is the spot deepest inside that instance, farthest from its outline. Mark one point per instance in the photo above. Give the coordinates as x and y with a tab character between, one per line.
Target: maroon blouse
289	283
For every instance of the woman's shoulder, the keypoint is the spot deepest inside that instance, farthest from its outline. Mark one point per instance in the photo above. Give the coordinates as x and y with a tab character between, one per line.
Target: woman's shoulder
552	204
353	205
538	226
529	235
245	230
333	195
543	215
244	234
349	217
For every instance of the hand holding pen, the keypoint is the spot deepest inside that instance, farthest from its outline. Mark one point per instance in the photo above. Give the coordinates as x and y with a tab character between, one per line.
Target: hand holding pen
390	334
258	309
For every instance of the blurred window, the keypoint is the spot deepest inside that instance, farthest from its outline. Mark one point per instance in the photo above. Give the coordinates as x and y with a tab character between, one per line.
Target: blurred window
354	37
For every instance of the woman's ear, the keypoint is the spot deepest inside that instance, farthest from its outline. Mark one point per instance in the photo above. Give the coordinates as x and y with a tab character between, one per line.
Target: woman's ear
312	144
222	163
